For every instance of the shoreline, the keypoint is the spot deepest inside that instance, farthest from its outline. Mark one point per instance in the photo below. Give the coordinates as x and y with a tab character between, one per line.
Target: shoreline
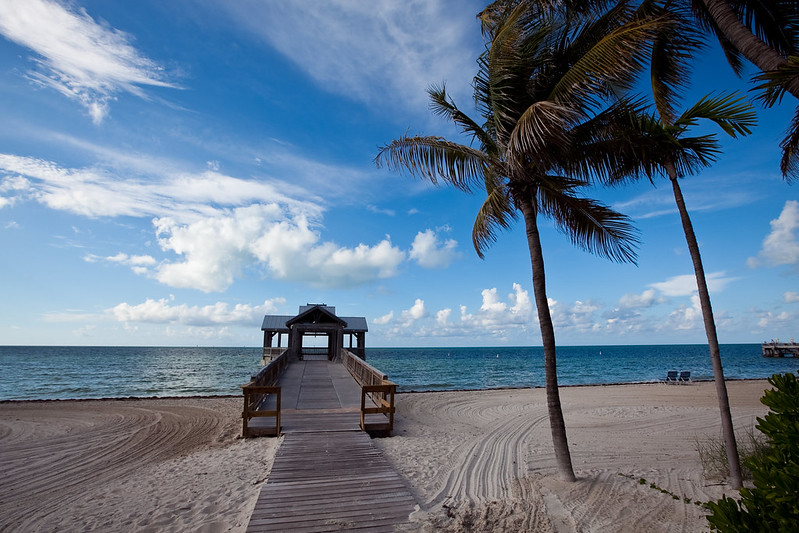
213	396
481	459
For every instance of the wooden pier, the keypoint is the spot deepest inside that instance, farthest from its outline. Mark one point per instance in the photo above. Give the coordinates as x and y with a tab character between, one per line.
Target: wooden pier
327	474
325	403
780	349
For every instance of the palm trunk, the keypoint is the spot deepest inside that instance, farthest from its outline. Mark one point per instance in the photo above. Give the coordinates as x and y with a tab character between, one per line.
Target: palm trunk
753	48
556	423
727	430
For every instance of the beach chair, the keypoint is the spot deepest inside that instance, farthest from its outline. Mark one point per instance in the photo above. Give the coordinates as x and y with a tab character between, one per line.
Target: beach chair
671	376
685	376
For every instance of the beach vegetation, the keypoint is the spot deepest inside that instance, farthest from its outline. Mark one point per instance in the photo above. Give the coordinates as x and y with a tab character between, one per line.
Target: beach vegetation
713	454
547	90
771	503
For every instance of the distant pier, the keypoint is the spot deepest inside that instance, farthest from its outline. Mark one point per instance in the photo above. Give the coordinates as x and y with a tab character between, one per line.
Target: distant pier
780	349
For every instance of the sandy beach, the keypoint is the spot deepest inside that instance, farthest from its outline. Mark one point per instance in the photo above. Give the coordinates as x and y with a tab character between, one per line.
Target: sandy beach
479	461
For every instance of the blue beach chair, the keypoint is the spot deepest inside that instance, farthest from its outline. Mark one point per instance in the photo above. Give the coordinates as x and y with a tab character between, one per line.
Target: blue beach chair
685	376
671	376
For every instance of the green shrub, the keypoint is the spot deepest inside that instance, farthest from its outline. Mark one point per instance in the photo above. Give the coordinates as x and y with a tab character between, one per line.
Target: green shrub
773	503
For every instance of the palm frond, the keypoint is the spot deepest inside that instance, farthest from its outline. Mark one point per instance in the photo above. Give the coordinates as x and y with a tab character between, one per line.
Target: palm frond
443	106
672	54
436	159
542	126
789	164
775	82
496	213
615	59
589	224
731	113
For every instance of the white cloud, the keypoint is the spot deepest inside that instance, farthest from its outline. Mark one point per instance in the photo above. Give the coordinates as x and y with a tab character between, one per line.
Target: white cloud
781	245
772	320
164	312
634	301
138	263
83	60
216	249
378	52
493	319
791	297
492	304
685	317
378	211
385	319
97	192
430	252
216	225
685	285
414	313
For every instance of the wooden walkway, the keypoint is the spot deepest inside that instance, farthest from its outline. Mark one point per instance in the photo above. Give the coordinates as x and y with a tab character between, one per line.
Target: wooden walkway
327	474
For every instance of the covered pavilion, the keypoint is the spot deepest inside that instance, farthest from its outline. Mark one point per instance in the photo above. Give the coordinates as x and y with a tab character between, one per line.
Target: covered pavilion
314	320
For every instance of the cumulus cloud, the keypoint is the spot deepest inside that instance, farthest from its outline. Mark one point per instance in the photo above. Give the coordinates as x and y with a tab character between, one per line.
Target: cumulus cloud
648	298
685	284
781	245
414	313
212	227
385	319
772	320
685	317
430	252
791	297
442	316
493	318
85	61
214	251
164	311
376	52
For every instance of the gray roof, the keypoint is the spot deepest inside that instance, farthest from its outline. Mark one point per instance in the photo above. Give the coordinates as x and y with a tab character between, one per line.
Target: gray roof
276	323
355	324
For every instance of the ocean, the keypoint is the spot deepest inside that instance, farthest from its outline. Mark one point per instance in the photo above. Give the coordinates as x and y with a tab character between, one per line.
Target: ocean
75	372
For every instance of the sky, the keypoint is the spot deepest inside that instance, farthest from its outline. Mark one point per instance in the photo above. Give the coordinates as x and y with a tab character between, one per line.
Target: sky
172	171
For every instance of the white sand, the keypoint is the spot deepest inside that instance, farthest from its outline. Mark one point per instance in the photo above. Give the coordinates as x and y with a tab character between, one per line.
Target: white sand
136	465
485	462
479	461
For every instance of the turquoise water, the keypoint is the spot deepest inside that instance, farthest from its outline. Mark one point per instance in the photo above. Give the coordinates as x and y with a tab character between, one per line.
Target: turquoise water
43	372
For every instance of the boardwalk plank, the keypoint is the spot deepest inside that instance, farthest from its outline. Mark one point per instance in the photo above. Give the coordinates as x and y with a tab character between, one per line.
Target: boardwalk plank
327	474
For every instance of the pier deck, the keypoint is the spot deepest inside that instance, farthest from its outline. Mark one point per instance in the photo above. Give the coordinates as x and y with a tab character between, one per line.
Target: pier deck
780	349
327	474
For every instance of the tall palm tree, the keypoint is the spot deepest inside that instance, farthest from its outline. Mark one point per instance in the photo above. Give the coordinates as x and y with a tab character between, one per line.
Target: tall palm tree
663	144
665	148
545	91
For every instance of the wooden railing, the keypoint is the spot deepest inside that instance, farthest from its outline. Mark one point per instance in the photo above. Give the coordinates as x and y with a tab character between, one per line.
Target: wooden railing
271	353
379	389
258	391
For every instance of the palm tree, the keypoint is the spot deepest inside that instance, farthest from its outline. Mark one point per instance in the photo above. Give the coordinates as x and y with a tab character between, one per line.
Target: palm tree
545	91
666	149
765	32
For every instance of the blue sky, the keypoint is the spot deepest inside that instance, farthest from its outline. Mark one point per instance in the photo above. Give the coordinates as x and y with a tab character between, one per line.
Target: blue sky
172	171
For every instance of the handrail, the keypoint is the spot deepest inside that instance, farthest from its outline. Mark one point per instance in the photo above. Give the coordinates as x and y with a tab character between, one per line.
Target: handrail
374	384
270	353
385	392
257	391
